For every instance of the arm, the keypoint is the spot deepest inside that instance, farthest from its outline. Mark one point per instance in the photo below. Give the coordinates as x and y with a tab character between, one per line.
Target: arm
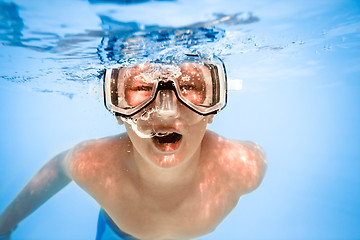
47	182
255	165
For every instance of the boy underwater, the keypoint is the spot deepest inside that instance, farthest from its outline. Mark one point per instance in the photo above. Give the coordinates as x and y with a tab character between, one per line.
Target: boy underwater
167	177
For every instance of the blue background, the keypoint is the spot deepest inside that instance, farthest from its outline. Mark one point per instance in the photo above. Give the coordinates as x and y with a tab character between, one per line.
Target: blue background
299	102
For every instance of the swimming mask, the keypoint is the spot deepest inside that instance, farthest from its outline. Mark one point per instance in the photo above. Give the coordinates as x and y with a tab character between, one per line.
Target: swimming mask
198	83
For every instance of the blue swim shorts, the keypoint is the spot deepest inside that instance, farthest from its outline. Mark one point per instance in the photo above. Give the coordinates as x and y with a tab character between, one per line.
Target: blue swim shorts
107	229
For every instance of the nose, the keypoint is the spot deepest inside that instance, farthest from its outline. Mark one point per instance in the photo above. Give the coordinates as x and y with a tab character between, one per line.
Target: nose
166	103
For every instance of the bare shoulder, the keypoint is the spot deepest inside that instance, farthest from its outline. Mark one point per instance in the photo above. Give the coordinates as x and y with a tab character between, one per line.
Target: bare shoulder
244	161
88	160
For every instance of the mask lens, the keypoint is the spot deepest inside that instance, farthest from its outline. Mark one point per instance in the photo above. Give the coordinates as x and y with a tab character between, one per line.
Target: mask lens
137	90
199	84
192	83
134	86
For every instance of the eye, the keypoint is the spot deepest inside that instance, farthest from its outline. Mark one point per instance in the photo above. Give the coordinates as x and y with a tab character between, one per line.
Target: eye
142	88
188	88
193	93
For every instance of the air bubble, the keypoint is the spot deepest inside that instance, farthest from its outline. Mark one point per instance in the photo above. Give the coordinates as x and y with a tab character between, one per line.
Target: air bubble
134	126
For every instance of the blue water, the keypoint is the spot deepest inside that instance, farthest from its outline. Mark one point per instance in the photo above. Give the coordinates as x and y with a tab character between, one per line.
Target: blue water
299	63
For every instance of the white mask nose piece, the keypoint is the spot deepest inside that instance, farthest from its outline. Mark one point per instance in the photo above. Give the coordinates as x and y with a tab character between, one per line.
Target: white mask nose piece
166	103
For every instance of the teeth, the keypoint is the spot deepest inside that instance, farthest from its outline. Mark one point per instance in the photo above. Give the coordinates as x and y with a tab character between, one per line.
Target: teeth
162	134
167	137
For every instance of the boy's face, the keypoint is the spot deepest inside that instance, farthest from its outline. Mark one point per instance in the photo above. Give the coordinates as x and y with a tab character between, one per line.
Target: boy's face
168	135
166	107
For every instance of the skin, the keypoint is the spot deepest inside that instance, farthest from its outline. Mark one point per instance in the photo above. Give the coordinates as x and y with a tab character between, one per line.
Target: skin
149	193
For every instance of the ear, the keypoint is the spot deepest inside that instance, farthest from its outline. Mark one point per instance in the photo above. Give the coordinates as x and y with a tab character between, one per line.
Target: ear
210	118
119	120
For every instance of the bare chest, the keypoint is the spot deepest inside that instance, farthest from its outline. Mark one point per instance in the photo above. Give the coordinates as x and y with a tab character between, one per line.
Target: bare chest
168	217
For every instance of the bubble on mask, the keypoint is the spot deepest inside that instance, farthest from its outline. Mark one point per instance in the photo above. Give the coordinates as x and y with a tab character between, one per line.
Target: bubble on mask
144	133
133	122
147	113
155	73
170	71
144	77
185	78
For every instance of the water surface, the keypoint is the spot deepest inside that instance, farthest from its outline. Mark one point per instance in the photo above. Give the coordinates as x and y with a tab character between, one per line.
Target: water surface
298	61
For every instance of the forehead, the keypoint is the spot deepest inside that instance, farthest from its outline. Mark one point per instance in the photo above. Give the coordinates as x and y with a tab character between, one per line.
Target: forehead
151	71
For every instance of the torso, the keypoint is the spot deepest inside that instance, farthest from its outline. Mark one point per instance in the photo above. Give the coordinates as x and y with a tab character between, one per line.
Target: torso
101	168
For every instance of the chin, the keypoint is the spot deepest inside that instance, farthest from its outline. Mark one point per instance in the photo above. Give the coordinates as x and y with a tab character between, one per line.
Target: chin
167	160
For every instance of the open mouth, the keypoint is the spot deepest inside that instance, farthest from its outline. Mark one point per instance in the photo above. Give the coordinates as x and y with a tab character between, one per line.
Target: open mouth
168	141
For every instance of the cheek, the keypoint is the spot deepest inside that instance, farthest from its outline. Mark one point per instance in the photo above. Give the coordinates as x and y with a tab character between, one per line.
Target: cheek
134	98
197	130
134	136
193	96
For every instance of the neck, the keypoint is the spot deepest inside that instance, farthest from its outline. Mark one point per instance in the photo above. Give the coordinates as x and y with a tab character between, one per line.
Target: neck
160	181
